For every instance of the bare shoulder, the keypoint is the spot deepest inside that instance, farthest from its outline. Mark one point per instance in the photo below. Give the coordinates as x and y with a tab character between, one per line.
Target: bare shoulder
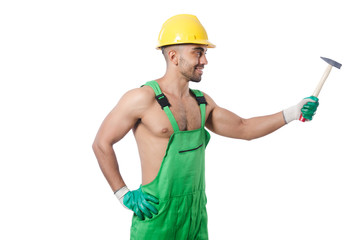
137	100
210	102
143	94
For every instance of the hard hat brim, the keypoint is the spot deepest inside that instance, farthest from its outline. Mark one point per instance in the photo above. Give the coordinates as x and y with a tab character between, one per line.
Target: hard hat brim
206	43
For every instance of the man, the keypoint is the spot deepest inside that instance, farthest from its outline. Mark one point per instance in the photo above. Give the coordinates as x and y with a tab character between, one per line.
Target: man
168	120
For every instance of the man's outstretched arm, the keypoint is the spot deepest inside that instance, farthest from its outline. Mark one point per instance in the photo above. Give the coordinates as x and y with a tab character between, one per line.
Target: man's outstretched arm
225	123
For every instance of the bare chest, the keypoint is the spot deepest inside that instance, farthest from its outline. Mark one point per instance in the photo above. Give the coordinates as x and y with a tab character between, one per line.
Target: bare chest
186	113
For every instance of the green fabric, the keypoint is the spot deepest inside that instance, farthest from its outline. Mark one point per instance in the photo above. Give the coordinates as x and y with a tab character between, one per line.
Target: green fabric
198	93
167	110
179	187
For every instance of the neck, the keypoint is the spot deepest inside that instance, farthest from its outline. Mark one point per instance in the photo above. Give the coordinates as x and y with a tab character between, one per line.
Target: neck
174	85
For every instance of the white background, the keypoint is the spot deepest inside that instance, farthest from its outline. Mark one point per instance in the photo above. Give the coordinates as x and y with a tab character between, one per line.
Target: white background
65	64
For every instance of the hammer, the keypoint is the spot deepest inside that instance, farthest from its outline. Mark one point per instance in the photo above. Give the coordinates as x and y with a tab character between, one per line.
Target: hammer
331	63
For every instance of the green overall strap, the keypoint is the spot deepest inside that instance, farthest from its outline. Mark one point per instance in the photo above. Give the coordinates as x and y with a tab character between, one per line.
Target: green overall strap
202	102
165	105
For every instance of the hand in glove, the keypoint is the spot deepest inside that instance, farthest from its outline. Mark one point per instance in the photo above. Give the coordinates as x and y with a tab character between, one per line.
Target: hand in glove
138	202
307	107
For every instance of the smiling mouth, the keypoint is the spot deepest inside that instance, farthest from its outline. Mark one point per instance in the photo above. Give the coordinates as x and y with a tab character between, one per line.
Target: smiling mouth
199	69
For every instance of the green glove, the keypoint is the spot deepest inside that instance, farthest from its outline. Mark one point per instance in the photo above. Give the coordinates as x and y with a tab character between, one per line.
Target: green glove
309	109
138	202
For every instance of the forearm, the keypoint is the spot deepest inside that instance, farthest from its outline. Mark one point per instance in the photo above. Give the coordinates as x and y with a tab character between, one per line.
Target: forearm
257	127
107	161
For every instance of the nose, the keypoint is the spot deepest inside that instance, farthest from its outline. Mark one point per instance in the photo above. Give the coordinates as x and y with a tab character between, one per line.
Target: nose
203	60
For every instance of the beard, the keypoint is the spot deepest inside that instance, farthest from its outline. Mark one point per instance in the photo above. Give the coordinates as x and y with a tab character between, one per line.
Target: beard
189	71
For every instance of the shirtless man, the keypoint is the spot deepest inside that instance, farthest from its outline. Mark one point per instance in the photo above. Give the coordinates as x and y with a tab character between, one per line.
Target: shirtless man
168	120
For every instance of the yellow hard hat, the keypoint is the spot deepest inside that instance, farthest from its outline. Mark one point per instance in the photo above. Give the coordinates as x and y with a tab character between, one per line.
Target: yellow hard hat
183	28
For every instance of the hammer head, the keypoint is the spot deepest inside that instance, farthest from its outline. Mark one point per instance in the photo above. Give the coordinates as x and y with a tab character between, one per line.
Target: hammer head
332	62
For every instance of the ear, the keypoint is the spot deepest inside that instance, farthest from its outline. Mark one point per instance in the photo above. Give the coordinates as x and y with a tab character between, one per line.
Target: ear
173	57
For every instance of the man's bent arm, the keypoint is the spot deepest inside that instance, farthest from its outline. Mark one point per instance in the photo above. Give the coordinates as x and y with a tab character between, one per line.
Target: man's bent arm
114	127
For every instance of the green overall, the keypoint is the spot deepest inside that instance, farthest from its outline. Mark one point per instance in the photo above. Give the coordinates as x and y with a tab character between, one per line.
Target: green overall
180	183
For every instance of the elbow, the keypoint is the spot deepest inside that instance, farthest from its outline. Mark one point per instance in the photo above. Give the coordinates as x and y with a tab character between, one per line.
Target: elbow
99	147
248	138
95	146
101	151
245	132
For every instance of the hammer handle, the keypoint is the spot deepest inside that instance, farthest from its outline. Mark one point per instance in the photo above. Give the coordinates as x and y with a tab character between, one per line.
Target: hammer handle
319	86
323	79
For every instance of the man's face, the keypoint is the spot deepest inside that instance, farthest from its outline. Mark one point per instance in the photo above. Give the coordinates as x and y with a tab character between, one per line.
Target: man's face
192	61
